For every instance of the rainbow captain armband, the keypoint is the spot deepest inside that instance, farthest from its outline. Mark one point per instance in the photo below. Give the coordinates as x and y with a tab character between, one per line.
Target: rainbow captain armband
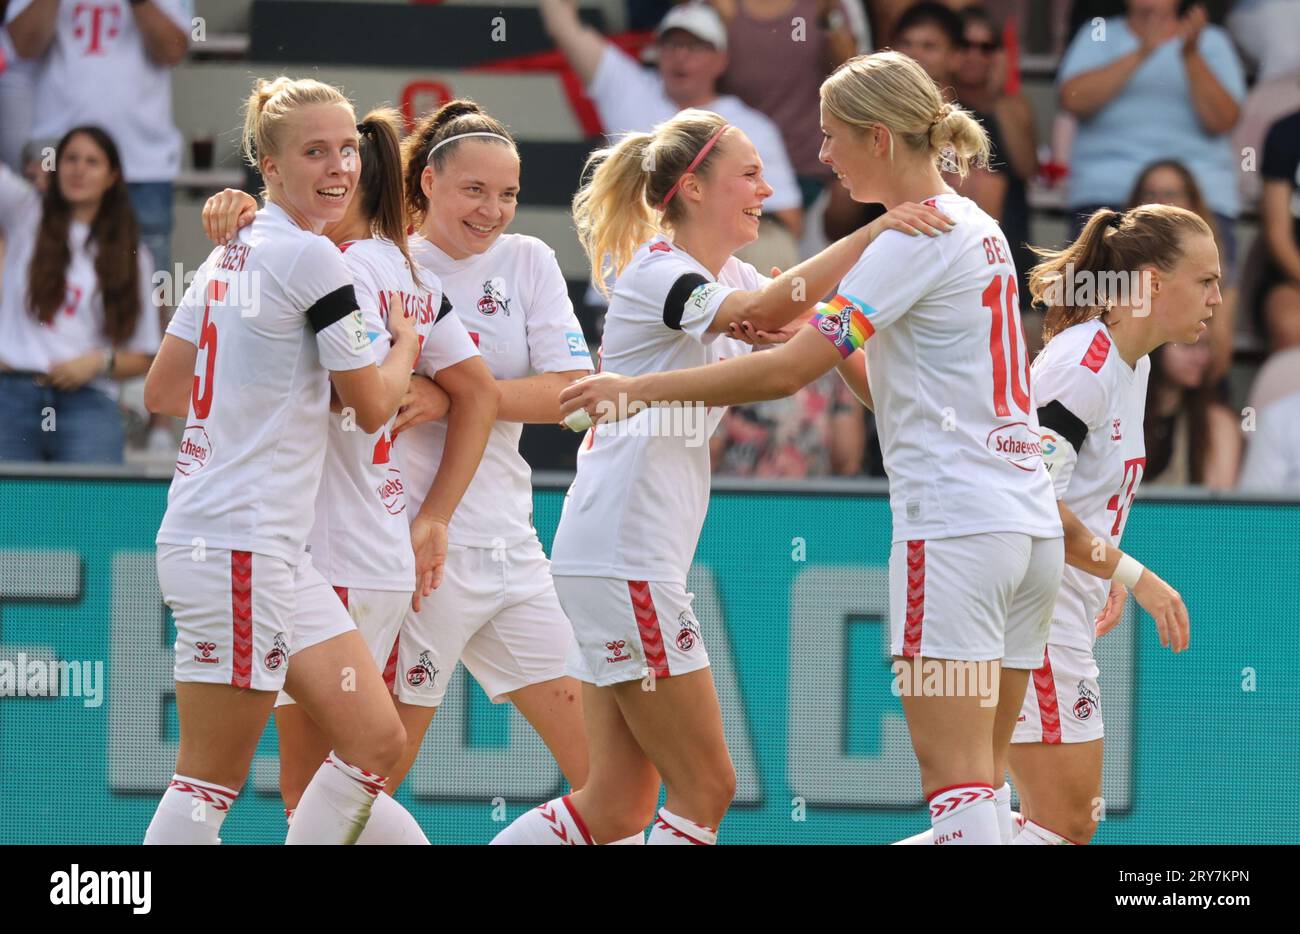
843	322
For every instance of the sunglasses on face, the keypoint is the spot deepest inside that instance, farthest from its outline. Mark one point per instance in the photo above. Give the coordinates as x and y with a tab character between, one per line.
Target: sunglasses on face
987	48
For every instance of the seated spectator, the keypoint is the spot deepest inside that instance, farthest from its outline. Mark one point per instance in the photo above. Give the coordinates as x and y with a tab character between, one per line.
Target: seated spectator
820	431
759	32
1191	438
691	48
1169	182
76	313
1279	214
1272	461
1152	85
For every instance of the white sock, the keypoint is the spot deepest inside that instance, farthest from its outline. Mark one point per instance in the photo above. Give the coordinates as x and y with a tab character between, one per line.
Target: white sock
1037	835
637	839
965	814
190	812
391	824
924	838
671	830
335	805
555	823
1007	825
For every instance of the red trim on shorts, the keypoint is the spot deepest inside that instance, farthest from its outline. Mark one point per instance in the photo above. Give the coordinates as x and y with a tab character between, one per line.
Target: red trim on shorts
677	832
1048	713
343	595
647	624
577	819
390	669
241	611
915	617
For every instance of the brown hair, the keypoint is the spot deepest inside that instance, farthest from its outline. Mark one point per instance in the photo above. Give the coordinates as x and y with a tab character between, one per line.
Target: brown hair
114	237
1111	243
380	188
617	207
1200	207
451	119
1160	431
891	89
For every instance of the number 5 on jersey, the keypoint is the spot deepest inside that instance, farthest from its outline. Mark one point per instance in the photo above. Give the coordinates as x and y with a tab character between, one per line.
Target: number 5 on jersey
202	401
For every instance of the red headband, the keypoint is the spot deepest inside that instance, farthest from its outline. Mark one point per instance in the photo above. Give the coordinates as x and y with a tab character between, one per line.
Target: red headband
694	165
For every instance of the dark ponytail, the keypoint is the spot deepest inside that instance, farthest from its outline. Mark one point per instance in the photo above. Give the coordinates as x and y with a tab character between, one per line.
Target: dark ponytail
381	178
451	119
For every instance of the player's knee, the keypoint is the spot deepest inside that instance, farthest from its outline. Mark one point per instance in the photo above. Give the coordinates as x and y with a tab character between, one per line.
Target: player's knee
385	744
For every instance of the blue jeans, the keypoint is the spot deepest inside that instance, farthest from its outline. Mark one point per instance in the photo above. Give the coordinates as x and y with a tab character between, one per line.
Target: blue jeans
40	423
152	203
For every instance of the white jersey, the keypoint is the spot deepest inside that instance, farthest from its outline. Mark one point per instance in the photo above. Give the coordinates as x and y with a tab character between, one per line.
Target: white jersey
362	535
1091	405
270	313
950	378
78	326
97	70
514	303
637	504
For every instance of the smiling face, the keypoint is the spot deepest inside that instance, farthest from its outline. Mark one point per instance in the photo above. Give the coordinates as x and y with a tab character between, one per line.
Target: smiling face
732	193
473	199
690	68
84	172
314	174
858	157
1189	292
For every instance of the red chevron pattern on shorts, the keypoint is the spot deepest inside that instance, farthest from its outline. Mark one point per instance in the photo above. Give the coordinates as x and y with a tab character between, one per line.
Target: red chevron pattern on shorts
219	798
647	624
557	826
1048	713
241	606
948	800
390	669
1098	350
915	599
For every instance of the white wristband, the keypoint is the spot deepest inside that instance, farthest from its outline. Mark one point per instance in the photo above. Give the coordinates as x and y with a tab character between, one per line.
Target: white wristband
577	420
1128	571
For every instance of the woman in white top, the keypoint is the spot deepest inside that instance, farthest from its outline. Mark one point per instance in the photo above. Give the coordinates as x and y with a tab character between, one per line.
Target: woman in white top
663	212
76	314
367	513
269	325
978	551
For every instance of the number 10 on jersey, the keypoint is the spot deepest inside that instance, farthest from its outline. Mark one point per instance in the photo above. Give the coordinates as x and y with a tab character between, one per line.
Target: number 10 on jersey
1010	359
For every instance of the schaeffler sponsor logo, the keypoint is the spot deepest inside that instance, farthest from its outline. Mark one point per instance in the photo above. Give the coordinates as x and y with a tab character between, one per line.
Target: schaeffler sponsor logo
1017	444
22	676
616	653
278	655
205	654
391	493
1087	703
80	886
688	632
422	672
195	452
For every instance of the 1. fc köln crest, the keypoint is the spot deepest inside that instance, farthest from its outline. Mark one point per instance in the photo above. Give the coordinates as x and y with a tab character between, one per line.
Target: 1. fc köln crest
494	298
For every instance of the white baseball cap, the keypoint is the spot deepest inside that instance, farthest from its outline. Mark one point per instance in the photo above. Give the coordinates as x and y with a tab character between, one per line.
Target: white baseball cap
700	20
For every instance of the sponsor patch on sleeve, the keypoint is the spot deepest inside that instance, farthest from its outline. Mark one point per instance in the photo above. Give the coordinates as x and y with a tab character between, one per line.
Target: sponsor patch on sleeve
577	344
358	336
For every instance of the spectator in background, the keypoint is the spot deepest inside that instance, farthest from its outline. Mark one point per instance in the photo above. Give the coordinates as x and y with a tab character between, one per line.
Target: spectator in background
107	63
1279	214
820	431
1191	438
1146	86
1169	182
17	93
760	32
691	47
76	312
1273	456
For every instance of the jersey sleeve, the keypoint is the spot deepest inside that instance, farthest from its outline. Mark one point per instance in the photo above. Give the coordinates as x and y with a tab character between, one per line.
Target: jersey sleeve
893	274
189	311
374	306
555	339
671	293
1071	402
448	342
145	338
320	285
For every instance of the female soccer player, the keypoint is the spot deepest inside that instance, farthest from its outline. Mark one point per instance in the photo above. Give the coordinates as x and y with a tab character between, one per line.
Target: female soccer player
977	551
362	540
1090	385
634	513
76	313
275	316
